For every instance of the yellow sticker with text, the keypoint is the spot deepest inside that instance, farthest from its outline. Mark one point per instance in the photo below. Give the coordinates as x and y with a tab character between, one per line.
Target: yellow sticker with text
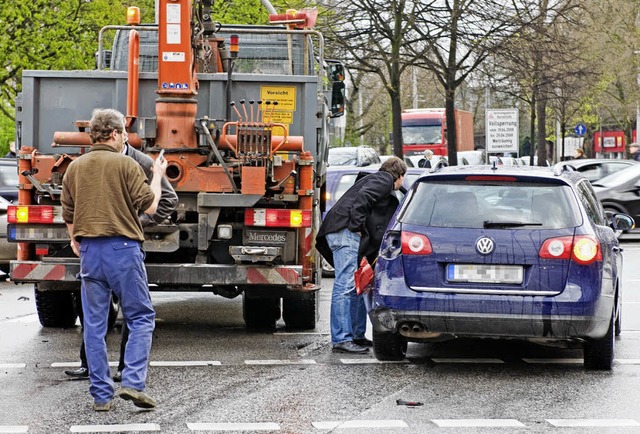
284	95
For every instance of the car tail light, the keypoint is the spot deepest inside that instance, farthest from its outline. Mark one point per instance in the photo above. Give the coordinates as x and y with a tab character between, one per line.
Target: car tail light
282	218
415	244
30	214
582	249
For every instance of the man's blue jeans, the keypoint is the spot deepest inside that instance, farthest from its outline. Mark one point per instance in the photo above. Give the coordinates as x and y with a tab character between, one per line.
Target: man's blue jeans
348	312
115	264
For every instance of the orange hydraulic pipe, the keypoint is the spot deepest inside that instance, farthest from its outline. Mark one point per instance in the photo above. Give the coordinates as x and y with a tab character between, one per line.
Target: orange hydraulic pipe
24	193
305	194
133	77
79	138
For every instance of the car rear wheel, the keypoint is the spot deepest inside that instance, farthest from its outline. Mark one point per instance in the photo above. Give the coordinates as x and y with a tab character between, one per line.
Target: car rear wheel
389	346
598	353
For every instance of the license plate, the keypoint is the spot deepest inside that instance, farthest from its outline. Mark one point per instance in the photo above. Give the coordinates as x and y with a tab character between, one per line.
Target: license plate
479	273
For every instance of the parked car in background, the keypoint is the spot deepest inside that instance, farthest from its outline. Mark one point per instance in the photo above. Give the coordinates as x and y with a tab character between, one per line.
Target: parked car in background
407	160
359	156
596	168
8	251
341	178
471	158
620	191
532	256
9	179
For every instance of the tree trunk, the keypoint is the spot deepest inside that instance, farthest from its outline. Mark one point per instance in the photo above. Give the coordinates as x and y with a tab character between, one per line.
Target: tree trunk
532	129
450	110
541	107
396	121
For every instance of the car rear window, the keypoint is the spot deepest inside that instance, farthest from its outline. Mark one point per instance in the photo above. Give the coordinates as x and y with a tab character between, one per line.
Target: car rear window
491	205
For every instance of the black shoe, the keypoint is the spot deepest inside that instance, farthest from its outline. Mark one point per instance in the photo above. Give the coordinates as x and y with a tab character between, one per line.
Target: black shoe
363	342
118	377
349	347
77	373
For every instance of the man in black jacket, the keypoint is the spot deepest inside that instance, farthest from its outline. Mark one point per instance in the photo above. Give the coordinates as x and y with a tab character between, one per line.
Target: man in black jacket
353	228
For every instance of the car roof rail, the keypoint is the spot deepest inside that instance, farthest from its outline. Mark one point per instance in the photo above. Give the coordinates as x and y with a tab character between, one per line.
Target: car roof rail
564	167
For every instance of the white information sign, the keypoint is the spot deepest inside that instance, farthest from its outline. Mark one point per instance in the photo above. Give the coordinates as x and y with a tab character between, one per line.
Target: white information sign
502	130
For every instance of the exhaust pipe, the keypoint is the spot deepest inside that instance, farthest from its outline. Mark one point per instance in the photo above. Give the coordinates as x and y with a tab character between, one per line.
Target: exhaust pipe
417	330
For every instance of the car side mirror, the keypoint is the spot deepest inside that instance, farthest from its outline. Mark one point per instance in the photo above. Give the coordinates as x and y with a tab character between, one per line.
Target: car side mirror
337	99
622	222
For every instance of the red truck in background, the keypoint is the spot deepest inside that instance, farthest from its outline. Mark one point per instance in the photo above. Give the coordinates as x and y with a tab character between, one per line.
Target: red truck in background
426	128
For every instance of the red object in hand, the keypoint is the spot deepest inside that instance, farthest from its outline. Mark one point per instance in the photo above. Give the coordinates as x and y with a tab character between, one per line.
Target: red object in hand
363	277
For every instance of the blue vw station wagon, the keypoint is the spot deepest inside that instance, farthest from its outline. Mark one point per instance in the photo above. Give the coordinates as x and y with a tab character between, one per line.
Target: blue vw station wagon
500	252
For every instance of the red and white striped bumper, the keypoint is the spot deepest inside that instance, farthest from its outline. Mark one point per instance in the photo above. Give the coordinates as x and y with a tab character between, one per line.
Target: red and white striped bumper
168	274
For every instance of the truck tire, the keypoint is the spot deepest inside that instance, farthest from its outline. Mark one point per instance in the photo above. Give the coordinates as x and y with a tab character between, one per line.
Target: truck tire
389	346
260	313
301	313
55	308
599	353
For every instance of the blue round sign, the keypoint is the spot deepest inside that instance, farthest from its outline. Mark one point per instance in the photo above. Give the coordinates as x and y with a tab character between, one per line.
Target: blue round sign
580	130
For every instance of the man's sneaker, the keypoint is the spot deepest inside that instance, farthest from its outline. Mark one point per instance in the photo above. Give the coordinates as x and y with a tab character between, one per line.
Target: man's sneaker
138	397
349	347
110	405
118	377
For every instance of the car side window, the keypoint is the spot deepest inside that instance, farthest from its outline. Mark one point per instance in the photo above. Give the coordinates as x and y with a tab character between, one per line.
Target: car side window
592	172
592	205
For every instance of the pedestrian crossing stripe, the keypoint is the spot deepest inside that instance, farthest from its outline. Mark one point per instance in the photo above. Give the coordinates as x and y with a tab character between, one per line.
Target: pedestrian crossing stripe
592	422
115	428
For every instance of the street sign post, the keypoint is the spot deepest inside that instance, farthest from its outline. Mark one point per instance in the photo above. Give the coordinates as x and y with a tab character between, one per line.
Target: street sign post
502	130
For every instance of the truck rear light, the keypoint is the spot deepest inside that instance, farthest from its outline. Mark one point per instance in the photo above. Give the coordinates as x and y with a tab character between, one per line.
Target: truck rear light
415	244
582	249
281	218
30	214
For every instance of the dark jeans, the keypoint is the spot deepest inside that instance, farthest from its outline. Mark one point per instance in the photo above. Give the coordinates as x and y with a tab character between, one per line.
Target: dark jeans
123	344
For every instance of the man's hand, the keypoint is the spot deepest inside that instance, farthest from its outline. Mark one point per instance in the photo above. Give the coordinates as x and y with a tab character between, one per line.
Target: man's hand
74	247
159	167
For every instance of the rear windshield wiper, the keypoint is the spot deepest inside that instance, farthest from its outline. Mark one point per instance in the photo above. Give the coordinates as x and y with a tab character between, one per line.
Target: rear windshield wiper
490	224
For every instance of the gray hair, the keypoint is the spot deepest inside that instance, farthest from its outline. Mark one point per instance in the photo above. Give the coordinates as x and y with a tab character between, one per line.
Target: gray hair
428	153
103	122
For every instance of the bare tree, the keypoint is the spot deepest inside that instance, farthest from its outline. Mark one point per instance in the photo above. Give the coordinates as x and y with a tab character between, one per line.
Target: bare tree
381	37
457	36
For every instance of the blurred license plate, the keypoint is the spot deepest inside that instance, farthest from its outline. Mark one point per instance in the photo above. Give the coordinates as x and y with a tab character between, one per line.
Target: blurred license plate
484	273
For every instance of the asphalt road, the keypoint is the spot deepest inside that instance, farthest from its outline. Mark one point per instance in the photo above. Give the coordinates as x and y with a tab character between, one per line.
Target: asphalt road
209	374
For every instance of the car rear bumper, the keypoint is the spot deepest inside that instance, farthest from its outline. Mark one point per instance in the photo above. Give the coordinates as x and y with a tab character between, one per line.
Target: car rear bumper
567	316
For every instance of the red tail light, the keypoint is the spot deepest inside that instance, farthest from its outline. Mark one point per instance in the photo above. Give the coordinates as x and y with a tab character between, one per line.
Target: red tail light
415	244
30	214
282	218
582	249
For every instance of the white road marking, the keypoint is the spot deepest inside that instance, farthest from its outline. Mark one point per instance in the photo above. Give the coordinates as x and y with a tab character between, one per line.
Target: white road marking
352	424
300	333
74	364
281	362
186	363
592	422
627	361
266	426
13	429
371	361
478	423
116	428
12	365
559	361
465	360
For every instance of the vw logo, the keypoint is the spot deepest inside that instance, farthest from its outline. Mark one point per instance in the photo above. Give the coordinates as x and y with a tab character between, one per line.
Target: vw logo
484	245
